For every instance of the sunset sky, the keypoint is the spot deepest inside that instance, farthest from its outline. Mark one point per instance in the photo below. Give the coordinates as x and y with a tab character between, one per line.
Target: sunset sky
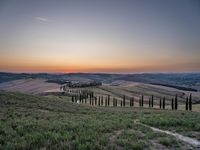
113	36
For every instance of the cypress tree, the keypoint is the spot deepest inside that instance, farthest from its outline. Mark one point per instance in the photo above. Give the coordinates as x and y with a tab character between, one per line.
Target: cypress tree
172	104
124	101
121	103
152	101
163	102
186	104
190	102
108	100
149	102
72	99
142	102
101	100
90	98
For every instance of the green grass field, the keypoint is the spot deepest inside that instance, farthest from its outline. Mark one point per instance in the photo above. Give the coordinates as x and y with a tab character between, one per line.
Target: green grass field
34	122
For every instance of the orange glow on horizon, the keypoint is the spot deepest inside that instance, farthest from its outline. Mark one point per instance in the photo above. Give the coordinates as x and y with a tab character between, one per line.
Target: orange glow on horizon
129	64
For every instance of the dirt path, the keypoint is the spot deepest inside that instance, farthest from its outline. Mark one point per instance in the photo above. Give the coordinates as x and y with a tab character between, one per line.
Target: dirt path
185	139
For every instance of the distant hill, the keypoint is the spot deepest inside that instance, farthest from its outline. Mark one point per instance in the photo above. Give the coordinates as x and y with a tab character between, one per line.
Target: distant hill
184	81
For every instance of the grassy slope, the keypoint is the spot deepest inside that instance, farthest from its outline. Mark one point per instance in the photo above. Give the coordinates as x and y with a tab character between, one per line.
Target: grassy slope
33	122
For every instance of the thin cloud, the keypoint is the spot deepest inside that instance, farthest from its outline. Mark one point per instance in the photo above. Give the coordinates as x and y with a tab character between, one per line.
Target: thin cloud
42	19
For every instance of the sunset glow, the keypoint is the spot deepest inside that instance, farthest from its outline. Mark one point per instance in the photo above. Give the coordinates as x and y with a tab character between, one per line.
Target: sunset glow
99	36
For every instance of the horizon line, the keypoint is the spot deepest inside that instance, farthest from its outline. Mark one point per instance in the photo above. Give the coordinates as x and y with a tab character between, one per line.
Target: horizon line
172	72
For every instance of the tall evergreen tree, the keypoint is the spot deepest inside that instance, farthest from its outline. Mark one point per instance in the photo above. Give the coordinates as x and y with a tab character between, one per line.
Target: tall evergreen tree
190	102
172	104
163	102
108	100
124	101
142	102
186	104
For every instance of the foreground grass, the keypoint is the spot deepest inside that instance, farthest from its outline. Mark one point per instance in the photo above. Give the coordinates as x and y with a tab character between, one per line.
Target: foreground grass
34	122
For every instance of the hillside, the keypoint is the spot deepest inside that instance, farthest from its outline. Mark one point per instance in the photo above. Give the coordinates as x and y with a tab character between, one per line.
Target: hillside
29	86
181	81
35	122
116	89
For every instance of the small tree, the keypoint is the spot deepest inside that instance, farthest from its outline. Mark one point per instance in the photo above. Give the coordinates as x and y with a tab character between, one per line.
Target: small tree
172	104
90	98
142	100
152	101
108	100
163	102
149	102
190	102
186	104
124	101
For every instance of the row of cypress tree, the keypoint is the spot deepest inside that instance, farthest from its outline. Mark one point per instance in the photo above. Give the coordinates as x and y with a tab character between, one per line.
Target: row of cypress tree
82	98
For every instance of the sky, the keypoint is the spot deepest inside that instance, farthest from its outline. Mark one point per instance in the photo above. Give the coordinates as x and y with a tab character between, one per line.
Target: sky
111	36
